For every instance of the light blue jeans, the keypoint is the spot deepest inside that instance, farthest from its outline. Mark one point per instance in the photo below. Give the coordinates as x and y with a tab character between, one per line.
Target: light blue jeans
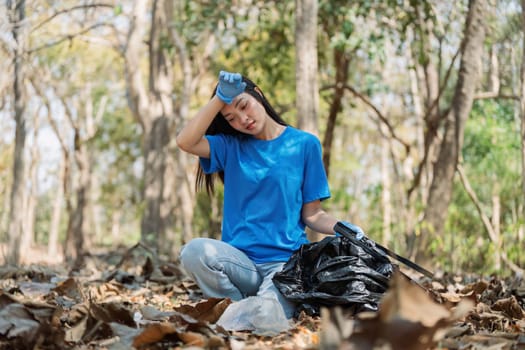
223	271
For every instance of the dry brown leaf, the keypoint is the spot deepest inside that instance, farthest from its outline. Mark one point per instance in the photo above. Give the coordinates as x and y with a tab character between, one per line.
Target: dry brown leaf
153	314
452	297
462	309
35	289
408	319
437	286
209	310
125	334
154	333
112	312
6	299
408	301
510	307
105	291
16	321
193	338
70	288
489	341
75	333
476	287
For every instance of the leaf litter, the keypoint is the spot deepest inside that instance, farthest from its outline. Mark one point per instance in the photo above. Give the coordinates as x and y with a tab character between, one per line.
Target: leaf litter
136	300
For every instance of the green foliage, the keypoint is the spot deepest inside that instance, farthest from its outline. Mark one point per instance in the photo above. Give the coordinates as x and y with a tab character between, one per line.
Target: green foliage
261	46
492	143
352	27
118	142
491	156
197	19
117	10
207	219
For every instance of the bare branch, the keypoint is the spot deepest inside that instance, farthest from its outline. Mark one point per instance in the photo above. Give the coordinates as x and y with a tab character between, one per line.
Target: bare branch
494	95
435	103
486	220
66	37
52	122
518	270
380	115
432	125
71	9
474	198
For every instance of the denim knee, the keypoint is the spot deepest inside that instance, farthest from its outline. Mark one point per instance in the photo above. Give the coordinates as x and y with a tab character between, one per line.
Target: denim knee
191	254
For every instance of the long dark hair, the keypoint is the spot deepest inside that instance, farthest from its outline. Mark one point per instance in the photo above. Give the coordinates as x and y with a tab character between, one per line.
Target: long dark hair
219	125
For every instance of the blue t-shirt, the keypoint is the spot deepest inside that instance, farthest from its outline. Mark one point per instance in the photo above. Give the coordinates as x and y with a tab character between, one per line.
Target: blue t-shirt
266	183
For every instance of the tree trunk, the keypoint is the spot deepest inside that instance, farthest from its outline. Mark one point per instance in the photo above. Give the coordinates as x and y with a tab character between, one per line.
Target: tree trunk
80	229
306	86
65	181
116	217
441	188
426	98
386	192
184	167
495	221
341	63
307	92
15	228
77	225
153	108
522	111
28	238
494	83
5	206
52	246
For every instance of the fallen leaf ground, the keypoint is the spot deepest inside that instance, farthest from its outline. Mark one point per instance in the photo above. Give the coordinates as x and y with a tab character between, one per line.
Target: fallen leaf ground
133	299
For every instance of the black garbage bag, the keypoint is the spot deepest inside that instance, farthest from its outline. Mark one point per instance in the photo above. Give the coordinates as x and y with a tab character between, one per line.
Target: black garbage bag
335	271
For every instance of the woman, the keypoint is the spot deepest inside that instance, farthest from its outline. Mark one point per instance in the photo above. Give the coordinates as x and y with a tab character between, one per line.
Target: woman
274	182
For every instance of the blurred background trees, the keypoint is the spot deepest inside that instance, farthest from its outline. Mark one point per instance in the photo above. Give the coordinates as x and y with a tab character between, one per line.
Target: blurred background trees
418	105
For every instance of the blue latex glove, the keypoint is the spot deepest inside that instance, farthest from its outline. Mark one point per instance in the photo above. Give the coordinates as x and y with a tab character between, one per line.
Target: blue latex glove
230	86
359	233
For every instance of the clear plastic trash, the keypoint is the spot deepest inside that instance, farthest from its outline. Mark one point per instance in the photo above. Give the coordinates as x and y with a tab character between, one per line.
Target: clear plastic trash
261	315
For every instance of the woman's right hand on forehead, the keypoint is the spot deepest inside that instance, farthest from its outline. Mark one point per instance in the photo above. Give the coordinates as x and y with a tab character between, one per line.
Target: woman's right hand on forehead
230	86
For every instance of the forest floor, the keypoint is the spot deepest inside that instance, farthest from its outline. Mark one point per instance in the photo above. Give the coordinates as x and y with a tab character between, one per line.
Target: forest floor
132	299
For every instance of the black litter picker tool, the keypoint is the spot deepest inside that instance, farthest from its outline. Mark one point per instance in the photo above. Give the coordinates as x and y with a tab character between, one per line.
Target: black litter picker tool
347	232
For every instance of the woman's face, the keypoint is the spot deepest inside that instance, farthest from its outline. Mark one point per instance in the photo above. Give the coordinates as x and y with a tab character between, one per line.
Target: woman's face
245	114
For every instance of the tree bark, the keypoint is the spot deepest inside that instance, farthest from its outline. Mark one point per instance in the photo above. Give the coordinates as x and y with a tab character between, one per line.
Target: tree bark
52	246
522	111
441	187
28	238
386	192
78	235
426	98
153	108
307	91
494	83
341	63
15	228
64	179
306	85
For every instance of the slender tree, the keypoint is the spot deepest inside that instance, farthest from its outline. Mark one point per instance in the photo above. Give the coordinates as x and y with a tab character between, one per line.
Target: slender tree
307	92
15	229
445	167
306	87
152	106
522	112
